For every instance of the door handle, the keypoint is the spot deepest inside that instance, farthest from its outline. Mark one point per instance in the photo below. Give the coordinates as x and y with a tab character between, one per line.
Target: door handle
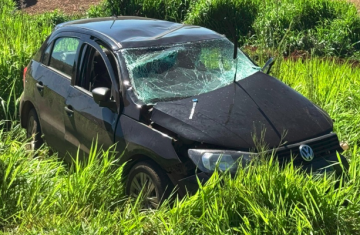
40	86
69	110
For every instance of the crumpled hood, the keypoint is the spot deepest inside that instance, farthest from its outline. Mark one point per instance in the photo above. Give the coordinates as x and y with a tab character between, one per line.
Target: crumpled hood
230	117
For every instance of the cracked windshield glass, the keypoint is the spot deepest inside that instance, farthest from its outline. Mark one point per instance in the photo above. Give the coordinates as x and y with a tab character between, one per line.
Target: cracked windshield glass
184	70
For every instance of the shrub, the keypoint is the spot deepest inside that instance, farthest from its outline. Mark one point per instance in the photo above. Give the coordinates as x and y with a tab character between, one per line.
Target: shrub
172	10
225	16
322	27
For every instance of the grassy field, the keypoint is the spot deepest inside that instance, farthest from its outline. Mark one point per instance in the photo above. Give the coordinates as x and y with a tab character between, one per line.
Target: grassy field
42	195
316	27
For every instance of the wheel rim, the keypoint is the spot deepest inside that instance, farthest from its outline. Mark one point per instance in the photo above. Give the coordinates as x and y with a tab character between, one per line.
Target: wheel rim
31	132
142	183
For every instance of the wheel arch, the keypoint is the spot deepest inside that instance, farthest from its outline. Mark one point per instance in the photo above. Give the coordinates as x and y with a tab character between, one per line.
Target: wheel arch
27	106
172	175
133	160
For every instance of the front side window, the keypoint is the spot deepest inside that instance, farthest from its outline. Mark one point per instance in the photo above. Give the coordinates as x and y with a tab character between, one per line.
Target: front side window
184	70
64	54
94	72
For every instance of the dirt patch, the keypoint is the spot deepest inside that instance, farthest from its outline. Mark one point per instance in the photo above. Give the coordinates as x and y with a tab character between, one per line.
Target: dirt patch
66	6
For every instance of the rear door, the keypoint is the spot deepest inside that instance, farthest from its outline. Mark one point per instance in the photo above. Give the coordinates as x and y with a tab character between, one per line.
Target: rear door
53	78
86	122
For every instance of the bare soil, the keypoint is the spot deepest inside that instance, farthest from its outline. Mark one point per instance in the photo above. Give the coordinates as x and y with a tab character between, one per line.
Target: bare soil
67	6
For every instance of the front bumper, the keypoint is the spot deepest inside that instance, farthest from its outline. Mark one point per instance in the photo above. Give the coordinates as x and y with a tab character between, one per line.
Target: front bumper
191	183
325	149
327	164
319	165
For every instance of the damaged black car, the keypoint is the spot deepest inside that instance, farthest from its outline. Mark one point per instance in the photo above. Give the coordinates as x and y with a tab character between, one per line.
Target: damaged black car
171	97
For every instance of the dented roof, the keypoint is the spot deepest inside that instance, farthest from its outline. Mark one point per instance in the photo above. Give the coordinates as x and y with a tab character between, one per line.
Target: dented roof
143	32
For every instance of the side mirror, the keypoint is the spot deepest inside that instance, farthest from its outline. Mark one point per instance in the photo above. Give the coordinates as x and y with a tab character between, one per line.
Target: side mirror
268	65
101	96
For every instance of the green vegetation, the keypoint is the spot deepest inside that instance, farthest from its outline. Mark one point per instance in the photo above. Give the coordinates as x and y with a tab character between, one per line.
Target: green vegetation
43	195
21	36
172	10
322	27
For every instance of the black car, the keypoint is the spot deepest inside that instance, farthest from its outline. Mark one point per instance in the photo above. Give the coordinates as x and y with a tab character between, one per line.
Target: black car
172	98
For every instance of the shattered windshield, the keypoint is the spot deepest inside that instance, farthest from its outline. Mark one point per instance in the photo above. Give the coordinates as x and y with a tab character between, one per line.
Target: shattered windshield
184	70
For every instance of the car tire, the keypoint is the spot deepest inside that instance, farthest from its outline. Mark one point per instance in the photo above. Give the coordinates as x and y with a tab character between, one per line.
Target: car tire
148	178
33	131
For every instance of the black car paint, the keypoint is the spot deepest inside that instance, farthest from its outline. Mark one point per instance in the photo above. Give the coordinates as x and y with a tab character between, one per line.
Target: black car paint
244	109
230	112
47	99
127	32
85	120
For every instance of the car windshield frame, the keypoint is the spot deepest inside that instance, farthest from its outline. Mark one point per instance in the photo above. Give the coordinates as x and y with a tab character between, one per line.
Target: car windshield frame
178	71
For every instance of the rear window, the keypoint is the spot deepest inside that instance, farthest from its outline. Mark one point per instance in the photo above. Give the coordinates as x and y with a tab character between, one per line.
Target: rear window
64	54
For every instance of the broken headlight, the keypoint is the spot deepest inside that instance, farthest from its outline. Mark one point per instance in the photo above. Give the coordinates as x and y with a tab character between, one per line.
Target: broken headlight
209	160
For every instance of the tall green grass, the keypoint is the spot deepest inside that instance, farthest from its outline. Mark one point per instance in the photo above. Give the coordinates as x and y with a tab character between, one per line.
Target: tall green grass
20	37
42	195
33	188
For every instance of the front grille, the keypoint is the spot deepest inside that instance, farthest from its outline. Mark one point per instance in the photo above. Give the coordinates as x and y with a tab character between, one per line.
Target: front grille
321	146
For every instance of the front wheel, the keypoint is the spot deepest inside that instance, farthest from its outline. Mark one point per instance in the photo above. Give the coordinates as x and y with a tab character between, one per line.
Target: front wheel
33	131
151	182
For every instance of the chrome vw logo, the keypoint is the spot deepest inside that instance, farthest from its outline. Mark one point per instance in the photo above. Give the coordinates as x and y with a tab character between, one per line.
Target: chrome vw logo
306	152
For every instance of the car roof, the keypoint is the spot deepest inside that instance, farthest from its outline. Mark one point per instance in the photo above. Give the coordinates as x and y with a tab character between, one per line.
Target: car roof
132	31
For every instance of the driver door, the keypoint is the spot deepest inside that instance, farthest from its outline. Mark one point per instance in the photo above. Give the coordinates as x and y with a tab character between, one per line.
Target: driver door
86	122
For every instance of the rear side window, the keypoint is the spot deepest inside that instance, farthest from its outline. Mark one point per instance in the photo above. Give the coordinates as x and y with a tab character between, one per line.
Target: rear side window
64	54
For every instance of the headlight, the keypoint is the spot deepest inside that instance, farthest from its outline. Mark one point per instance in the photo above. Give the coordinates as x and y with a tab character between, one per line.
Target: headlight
208	160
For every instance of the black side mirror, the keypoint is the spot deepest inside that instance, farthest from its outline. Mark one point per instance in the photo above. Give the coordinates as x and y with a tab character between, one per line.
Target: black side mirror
268	65
101	96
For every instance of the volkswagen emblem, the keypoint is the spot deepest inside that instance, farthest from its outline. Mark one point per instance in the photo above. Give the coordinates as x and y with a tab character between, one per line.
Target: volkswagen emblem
306	152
